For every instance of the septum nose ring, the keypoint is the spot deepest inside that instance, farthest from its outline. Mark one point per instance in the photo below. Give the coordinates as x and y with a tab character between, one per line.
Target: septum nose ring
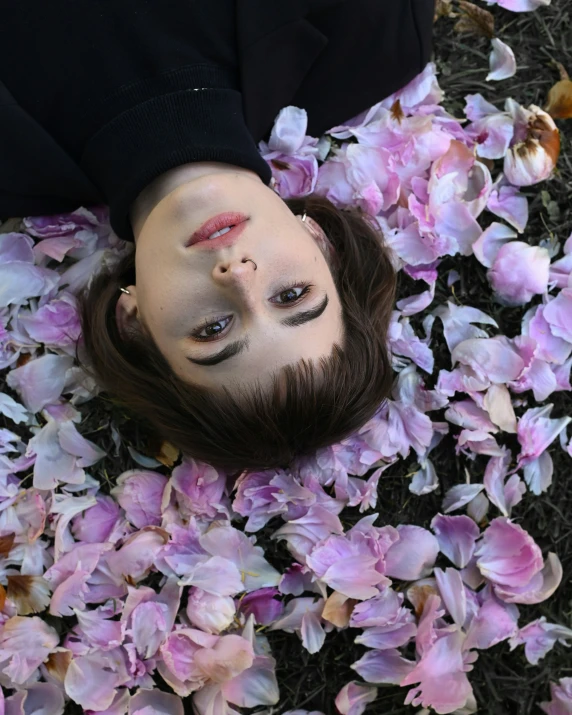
245	260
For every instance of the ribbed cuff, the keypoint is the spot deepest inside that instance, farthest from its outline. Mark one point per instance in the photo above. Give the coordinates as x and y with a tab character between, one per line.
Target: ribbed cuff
138	145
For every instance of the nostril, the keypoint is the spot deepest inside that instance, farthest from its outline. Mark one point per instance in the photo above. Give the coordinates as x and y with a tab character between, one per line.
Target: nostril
244	260
223	270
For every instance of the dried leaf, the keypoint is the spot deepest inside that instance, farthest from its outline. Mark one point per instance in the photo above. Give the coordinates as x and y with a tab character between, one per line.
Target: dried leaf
559	104
561	69
168	454
443	8
475	20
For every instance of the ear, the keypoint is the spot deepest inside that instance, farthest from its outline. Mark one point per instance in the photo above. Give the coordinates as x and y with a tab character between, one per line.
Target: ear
126	312
321	238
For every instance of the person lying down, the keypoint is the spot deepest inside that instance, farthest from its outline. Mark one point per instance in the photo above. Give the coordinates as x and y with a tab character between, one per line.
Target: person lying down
247	330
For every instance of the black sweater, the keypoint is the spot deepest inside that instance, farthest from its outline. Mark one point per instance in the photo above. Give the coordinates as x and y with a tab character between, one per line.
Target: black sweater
99	97
129	88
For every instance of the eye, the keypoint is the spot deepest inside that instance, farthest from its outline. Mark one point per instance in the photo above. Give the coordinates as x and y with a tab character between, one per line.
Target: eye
291	294
212	330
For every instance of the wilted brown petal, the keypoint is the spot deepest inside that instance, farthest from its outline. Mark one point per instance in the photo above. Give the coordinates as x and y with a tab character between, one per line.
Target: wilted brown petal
168	454
30	594
559	104
58	662
338	609
6	543
548	136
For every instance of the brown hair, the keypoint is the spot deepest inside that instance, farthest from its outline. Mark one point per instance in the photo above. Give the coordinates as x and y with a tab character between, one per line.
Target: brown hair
308	406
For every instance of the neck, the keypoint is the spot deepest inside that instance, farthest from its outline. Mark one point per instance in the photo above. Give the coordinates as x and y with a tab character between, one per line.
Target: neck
165	183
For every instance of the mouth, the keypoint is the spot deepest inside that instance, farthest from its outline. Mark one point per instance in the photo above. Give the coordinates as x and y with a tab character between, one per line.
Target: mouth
219	231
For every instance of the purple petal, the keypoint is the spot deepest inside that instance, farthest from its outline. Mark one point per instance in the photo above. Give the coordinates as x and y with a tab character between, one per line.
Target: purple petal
456	536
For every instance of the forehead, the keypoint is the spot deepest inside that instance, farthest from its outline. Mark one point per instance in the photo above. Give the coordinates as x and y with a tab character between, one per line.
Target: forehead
268	352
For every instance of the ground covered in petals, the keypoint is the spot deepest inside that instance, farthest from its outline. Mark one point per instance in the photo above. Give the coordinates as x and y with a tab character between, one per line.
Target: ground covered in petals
423	565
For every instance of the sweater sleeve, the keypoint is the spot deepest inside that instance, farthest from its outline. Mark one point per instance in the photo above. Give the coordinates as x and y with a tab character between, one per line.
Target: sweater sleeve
129	88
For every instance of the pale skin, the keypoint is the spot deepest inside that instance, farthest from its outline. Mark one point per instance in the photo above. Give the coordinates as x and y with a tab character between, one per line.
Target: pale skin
184	293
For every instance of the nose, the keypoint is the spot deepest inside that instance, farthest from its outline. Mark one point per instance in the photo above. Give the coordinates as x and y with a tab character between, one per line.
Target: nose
234	271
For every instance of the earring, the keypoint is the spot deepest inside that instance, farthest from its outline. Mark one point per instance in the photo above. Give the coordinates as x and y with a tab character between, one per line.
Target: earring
124	290
304	216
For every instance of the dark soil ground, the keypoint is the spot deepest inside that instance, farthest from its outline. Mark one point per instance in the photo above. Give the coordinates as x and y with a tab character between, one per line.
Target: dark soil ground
504	683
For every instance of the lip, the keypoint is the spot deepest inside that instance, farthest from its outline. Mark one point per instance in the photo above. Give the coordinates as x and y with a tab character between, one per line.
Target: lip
200	236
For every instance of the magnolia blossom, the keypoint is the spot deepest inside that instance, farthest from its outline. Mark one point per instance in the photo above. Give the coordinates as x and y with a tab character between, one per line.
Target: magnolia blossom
291	154
534	150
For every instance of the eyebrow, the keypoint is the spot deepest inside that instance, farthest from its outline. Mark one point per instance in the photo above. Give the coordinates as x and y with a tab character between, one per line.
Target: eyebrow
292	321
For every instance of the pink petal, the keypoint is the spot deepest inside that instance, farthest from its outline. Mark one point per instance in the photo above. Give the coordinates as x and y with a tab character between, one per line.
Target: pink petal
494	622
495	358
538	473
539	637
441	674
383	666
561	702
413	556
540	587
354	697
507	202
312	632
155	701
502	61
460	495
139	492
456	536
255	686
91	680
25	642
453	593
289	130
557	314
507	554
40	381
519	272
457	323
491	240
536	431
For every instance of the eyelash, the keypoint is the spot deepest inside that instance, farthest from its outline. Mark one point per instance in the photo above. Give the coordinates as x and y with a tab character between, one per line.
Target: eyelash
306	290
